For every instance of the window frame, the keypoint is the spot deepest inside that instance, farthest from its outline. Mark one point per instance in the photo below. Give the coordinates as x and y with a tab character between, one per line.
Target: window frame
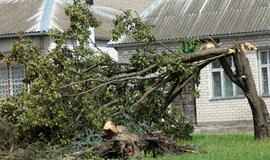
11	84
222	79
267	66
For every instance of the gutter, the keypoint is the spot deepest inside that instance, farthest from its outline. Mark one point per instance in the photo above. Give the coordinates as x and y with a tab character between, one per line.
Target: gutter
223	36
41	33
27	34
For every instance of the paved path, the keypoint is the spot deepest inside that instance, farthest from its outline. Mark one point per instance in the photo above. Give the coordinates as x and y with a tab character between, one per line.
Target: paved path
224	127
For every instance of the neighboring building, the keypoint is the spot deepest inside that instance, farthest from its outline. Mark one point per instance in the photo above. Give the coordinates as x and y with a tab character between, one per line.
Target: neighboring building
242	20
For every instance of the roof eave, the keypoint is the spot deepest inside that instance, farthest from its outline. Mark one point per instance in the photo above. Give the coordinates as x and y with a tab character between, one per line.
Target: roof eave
27	34
233	35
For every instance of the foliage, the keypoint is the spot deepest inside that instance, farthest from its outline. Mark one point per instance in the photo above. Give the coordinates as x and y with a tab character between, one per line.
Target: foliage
7	137
45	111
127	119
87	139
73	88
176	126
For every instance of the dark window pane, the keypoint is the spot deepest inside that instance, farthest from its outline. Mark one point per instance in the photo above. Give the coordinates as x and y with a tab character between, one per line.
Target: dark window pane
230	60
268	57
263	57
228	86
239	91
264	81
217	84
216	64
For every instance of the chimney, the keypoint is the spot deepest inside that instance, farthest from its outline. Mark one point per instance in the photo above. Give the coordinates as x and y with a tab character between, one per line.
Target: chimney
89	2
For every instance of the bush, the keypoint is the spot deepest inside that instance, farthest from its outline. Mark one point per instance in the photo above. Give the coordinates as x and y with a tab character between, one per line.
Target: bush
177	126
87	139
173	125
7	136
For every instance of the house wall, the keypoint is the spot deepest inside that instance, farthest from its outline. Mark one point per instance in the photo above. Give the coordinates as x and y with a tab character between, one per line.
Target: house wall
209	109
125	53
229	109
7	43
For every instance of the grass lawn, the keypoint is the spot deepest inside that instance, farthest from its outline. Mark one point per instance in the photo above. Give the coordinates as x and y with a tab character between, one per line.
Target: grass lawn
225	147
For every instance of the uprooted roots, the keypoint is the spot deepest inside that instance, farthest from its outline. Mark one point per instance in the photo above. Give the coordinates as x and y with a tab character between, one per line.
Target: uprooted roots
121	143
124	145
127	144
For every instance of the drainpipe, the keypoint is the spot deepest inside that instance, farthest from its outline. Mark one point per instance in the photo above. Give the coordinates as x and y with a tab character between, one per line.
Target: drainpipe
92	36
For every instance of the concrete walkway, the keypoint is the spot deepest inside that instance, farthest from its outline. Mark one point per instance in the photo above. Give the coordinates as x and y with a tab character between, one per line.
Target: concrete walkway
224	127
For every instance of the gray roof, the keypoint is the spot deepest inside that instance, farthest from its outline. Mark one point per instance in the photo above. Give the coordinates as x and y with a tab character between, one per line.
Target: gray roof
202	18
122	5
38	16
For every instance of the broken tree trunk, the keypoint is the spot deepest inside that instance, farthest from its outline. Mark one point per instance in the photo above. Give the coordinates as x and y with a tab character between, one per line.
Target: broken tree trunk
121	143
244	79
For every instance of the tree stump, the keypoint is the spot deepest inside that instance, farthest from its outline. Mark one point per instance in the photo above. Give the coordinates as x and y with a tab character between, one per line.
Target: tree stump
121	143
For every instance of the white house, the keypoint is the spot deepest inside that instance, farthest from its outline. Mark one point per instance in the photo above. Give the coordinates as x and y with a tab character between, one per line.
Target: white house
224	20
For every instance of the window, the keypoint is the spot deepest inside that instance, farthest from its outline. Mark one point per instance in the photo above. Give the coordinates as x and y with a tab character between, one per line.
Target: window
222	86
264	58
11	77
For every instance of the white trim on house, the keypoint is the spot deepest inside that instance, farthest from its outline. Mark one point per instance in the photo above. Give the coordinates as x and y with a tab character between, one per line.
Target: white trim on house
267	67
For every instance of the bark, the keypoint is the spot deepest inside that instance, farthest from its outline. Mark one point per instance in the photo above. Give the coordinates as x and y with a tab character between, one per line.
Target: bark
244	79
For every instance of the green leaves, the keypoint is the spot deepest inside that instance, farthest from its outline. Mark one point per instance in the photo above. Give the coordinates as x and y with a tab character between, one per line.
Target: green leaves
125	24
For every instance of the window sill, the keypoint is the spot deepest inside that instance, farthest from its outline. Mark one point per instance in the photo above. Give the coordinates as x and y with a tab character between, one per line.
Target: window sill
265	95
226	98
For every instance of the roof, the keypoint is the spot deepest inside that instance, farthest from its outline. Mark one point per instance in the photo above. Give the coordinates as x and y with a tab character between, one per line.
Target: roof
36	17
122	5
204	18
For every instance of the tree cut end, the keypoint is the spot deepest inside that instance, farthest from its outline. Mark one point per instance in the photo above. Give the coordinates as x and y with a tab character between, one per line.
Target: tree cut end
109	125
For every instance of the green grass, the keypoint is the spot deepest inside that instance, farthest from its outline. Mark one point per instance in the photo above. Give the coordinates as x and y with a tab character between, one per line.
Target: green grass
225	147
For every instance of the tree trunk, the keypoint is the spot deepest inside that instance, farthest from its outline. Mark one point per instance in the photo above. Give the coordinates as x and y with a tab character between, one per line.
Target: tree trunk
260	117
244	79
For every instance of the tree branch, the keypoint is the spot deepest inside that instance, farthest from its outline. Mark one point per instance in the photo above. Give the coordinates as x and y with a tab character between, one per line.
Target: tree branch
204	54
105	64
226	67
152	89
117	81
110	103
